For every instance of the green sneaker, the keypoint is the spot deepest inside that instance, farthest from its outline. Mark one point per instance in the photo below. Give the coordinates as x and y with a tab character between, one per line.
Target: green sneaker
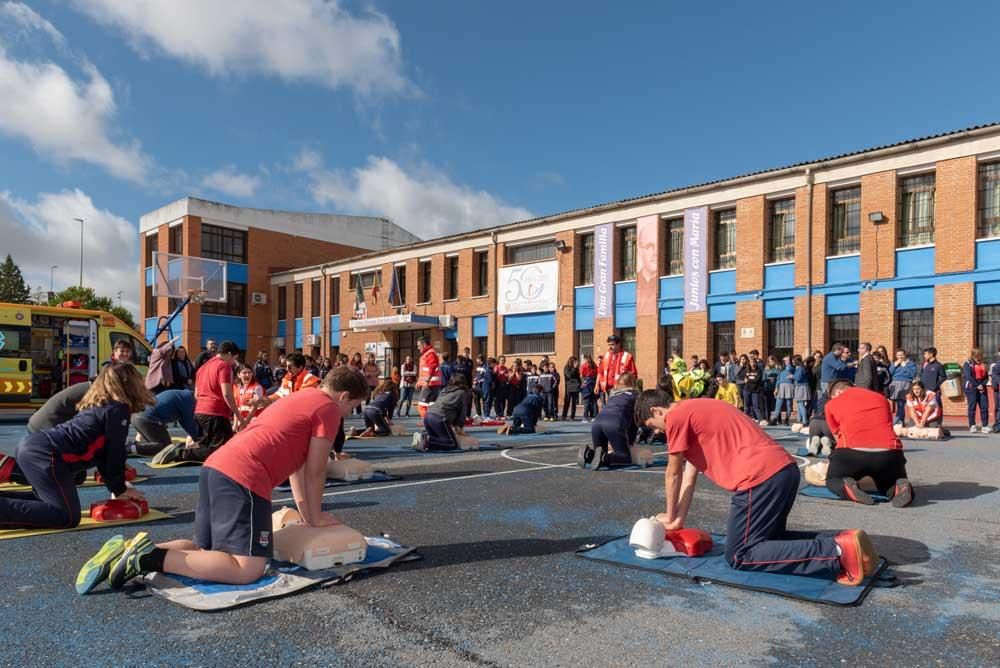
127	567
98	567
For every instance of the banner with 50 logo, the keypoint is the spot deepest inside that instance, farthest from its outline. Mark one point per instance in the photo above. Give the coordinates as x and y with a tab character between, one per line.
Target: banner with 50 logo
529	288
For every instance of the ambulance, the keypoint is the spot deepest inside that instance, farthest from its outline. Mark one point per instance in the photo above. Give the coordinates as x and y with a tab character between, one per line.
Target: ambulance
44	349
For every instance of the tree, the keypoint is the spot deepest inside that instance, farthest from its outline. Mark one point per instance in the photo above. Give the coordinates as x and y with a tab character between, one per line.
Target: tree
88	299
12	286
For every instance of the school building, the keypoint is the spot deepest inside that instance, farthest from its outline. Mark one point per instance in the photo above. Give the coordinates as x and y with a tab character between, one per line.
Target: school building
898	245
254	243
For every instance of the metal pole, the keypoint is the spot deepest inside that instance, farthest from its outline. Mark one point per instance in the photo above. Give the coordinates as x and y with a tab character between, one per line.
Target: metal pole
52	272
80	220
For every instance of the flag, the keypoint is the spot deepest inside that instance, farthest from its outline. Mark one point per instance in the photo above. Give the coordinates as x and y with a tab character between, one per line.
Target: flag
394	290
359	296
375	291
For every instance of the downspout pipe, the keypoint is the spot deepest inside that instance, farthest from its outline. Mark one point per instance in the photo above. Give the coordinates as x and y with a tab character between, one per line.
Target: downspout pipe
809	258
495	296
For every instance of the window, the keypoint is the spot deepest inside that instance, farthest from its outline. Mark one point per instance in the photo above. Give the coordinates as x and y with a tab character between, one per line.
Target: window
150	302
223	243
780	336
369	279
530	344
544	250
176	235
482	263
17	341
586	258
725	239
674	337
235	304
451	275
479	346
151	247
140	351
916	210
298	300
675	246
628	338
723	338
585	340
425	282
334	296
316	298
915	329
401	281
845	221
988	330
282	302
781	231
626	253
988	222
844	329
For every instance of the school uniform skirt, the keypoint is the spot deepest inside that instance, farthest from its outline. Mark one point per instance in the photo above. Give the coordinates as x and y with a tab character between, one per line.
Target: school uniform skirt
802	393
898	389
786	391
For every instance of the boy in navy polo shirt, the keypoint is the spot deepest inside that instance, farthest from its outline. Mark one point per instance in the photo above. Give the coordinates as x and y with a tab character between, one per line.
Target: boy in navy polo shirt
614	426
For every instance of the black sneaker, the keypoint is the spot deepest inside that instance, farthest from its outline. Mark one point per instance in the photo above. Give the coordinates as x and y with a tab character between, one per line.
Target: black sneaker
901	494
584	456
599	459
856	494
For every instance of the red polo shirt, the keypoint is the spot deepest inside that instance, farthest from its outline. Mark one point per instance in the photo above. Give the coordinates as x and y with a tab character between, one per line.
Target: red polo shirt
860	418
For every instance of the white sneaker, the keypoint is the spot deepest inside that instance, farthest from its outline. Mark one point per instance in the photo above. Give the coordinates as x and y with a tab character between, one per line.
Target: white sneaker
973	429
417	440
814	446
826	445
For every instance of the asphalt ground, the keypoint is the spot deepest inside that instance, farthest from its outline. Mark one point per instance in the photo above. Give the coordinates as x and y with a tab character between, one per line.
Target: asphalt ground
500	585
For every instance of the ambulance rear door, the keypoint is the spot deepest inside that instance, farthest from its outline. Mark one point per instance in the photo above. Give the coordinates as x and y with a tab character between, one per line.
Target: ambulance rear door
81	351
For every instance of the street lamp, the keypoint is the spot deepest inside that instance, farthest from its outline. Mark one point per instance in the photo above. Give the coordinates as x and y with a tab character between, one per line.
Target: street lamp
52	273
80	220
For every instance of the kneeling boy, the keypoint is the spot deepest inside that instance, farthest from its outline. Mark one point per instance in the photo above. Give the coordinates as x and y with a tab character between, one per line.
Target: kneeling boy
526	414
615	425
232	543
867	445
715	438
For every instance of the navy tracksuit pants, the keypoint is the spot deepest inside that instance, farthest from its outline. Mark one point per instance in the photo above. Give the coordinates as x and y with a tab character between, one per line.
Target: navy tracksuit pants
602	433
440	435
375	420
757	538
53	502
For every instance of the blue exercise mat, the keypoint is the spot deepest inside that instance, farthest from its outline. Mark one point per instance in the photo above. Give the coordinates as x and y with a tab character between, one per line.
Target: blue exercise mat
824	493
482	446
280	580
377	476
631	467
712	568
802	452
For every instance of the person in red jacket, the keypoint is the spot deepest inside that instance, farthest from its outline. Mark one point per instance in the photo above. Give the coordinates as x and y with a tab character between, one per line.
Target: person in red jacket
429	378
613	364
861	421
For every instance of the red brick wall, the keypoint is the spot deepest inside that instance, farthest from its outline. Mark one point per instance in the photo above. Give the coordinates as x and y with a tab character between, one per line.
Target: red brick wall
878	193
877	322
954	331
955	215
750	239
697	335
820	241
750	315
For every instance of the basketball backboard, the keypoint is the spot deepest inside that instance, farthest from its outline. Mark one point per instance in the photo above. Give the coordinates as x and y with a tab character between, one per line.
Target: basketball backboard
183	276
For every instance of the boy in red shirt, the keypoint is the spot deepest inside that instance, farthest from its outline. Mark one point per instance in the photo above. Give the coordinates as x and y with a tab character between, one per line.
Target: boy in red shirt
717	439
861	420
232	543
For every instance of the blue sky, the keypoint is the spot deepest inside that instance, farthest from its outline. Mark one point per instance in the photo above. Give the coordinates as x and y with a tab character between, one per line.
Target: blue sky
446	115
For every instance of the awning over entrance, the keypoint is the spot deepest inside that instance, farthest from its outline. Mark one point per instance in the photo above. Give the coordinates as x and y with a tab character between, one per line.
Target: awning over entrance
402	322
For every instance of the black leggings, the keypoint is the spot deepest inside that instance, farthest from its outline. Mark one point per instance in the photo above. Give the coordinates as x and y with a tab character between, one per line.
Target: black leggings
53	502
570	399
884	466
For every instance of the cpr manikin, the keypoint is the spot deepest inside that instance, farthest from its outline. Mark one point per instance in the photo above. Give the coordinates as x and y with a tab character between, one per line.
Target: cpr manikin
315	548
641	456
925	433
651	541
349	470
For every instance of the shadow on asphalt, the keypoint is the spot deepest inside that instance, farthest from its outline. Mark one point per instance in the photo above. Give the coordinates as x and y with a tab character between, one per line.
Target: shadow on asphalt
950	490
436	556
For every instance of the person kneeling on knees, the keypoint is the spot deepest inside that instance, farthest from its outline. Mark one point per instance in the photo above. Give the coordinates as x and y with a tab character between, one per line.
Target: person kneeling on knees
445	419
716	439
526	414
614	426
867	445
233	534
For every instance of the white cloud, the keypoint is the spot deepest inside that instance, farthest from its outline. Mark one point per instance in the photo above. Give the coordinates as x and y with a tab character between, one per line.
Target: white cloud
43	233
63	118
315	41
425	201
231	182
23	16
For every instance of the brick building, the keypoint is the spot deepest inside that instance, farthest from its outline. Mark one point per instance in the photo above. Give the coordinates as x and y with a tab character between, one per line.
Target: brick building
254	243
898	245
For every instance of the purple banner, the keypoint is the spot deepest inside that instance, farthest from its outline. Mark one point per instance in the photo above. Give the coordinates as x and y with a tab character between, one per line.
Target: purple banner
695	259
604	284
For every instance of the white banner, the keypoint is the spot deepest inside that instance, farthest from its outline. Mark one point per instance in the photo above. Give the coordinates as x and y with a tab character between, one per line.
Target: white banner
529	288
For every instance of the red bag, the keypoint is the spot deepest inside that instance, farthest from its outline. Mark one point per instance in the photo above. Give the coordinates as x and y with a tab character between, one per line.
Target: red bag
111	510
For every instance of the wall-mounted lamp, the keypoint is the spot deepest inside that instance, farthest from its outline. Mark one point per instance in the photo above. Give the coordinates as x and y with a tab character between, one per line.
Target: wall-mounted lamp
561	246
877	218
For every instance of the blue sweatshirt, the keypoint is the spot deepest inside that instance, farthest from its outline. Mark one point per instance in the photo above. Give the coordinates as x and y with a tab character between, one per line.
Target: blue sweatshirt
832	368
529	410
906	371
385	403
174	406
95	437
